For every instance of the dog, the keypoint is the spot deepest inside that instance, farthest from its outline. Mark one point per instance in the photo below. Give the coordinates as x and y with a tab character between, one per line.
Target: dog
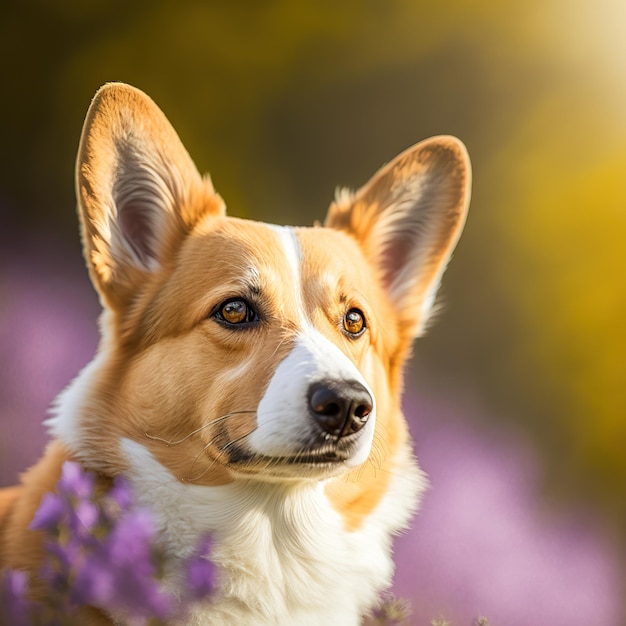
249	376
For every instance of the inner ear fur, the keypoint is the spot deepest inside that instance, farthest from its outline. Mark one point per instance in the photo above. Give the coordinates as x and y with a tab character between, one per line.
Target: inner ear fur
408	218
139	193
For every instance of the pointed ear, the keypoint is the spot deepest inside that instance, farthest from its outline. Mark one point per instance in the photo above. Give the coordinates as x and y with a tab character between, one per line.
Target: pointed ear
138	191
408	218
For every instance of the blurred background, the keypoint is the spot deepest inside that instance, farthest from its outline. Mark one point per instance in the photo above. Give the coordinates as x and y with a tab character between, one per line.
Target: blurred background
517	396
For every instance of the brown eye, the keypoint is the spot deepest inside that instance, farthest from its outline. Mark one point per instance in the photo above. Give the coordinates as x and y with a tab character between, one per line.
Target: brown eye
354	322
236	312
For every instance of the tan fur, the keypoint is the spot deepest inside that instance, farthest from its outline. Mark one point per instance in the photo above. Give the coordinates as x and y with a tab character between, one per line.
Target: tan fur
21	547
347	274
7	498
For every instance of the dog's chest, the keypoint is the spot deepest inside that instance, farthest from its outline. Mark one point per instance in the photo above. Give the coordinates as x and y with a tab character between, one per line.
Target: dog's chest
284	557
283	554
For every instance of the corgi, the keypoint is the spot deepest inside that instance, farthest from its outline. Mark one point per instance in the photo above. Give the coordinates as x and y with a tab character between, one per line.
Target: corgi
249	376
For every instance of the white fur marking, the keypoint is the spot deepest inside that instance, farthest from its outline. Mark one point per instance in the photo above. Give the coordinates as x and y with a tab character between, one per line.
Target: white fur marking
65	414
293	252
282	552
283	417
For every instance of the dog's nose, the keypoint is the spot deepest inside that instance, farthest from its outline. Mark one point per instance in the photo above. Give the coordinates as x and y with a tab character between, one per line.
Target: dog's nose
340	408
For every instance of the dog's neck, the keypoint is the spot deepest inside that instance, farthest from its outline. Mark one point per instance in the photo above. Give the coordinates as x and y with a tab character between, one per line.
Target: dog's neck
282	551
186	511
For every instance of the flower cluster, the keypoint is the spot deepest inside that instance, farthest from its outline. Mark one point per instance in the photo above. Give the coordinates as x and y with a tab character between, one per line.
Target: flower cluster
100	552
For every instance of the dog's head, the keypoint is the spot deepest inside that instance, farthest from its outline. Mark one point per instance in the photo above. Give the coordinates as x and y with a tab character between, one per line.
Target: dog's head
233	348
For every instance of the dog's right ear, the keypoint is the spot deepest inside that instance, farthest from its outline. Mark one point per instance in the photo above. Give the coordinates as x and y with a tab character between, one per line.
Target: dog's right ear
407	219
139	193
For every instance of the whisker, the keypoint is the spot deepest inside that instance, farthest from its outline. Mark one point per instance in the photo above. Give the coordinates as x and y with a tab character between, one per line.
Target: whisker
357	475
208	469
222	449
202	451
278	346
197	430
377	452
236	440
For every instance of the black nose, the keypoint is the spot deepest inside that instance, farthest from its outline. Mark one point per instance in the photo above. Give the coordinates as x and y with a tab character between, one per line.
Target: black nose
340	407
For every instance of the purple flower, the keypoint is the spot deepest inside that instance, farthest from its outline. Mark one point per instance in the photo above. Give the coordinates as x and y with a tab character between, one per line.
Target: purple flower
49	514
86	515
129	542
61	557
120	573
101	552
200	572
75	481
121	494
13	603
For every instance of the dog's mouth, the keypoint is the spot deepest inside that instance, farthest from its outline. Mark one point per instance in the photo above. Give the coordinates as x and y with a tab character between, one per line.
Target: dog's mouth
305	457
328	457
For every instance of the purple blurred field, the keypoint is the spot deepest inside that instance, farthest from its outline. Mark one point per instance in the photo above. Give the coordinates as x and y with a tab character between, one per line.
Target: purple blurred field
484	543
48	332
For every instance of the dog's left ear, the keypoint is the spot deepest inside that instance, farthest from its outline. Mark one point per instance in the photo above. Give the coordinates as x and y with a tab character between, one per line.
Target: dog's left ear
408	218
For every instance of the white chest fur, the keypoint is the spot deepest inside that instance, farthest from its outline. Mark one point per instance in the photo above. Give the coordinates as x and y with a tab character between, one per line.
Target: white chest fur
282	552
